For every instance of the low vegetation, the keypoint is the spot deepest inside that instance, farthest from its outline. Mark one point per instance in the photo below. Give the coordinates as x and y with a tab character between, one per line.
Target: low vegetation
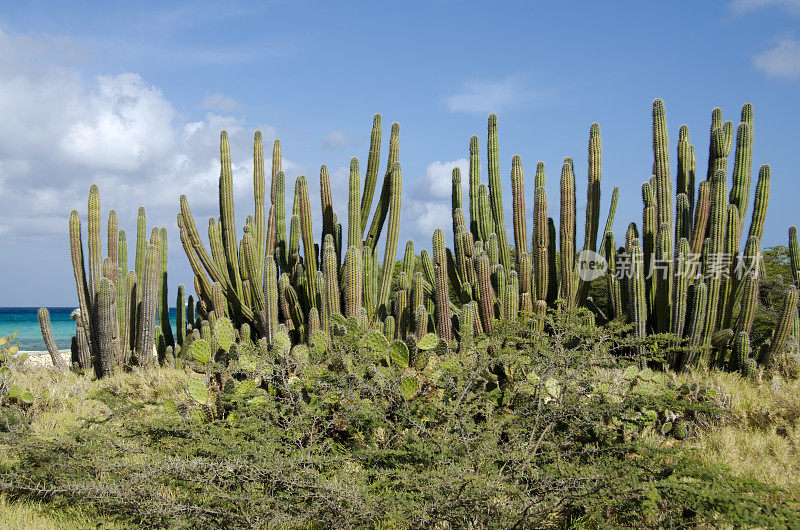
553	428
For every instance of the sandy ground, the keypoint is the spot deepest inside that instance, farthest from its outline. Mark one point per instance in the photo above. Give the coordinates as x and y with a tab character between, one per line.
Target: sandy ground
41	359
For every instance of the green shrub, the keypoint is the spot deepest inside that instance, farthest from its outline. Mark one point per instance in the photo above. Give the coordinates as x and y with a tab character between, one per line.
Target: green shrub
526	429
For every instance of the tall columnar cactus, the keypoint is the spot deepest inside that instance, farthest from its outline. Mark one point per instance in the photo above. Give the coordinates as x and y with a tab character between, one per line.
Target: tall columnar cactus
474	185
353	283
387	195
401	306
393	232
663	188
105	338
782	329
664	278
484	291
760	203
540	245
701	213
686	177
180	317
637	303
696	317
371	177
163	295
680	292
742	168
226	214
259	191
329	267
354	209
567	234
592	201
520	223
146	318
310	263
94	241
794	256
495	192
443	315
49	340
716	231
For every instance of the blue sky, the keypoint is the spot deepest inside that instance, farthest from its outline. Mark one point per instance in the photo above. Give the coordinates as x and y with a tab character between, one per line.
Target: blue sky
133	96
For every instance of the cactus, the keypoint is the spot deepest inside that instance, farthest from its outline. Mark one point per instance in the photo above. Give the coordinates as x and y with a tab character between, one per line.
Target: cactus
685	178
106	326
495	193
740	354
146	317
163	296
180	317
444	326
592	201
760	203
540	245
353	283
371	177
485	292
701	212
105	339
782	329
49	341
387	196
680	294
696	317
354	211
393	231
742	168
567	235
637	304
474	185
794	256
520	223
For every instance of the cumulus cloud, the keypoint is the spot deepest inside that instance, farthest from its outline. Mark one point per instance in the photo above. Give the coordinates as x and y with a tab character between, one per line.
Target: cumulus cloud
781	61
60	132
428	205
740	7
490	96
219	102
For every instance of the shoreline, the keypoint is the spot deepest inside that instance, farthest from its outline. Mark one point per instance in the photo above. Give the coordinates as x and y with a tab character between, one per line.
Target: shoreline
41	358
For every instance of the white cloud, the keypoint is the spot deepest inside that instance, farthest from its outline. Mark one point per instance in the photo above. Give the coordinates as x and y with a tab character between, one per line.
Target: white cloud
60	132
740	7
122	125
490	96
219	102
428	206
781	61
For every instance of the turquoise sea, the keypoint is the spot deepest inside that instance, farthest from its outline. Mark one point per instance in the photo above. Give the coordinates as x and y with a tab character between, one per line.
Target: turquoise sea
26	321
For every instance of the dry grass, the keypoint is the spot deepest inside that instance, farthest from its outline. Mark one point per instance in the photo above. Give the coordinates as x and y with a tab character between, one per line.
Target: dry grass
66	400
760	437
757	437
26	515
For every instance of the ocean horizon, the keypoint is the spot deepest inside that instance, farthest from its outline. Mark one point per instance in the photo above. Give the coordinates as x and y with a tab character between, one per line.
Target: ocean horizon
26	321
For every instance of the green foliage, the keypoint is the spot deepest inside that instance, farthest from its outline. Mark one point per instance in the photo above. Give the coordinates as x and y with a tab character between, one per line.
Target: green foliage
530	429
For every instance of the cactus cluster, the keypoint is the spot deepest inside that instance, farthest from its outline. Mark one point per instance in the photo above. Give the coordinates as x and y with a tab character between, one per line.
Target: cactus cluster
682	271
685	270
122	314
265	279
666	278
